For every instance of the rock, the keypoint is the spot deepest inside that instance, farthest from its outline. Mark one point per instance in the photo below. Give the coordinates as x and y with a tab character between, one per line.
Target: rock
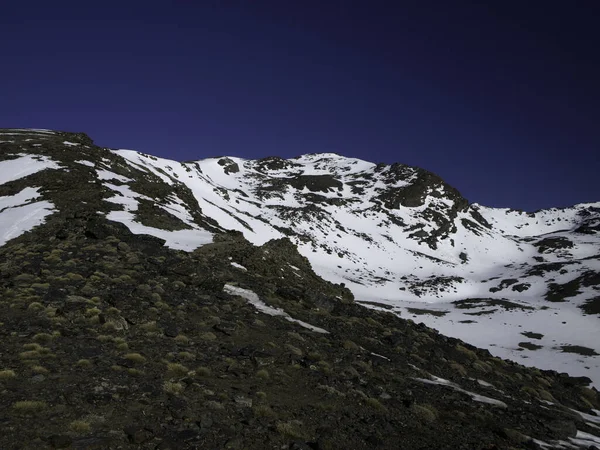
60	441
169	329
234	443
93	443
37	378
514	436
563	429
206	422
243	401
125	363
137	435
172	444
187	435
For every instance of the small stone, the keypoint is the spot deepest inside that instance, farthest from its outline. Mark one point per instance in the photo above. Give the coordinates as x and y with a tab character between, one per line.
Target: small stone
170	330
137	435
234	443
92	443
206	422
187	435
59	441
243	401
125	363
38	378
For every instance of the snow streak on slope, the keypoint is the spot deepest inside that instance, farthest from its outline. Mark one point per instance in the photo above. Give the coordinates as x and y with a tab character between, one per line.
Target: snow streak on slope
403	240
266	309
20	213
24	165
176	239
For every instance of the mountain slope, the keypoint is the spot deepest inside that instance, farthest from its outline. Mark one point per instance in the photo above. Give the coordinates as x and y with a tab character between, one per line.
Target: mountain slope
401	237
75	277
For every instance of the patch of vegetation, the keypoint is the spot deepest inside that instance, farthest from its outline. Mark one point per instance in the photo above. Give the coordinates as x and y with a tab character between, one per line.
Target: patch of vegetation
80	426
135	357
29	406
561	292
579	349
425	412
548	245
419	312
7	374
530	345
293	429
490	302
591	306
532	335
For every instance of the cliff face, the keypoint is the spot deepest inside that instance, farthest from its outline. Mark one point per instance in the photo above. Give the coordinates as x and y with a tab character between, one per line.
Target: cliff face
221	304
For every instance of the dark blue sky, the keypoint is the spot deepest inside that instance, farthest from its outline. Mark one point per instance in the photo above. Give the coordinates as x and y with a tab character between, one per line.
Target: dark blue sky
501	100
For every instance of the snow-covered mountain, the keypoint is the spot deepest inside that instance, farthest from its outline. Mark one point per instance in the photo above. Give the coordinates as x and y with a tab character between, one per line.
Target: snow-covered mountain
526	286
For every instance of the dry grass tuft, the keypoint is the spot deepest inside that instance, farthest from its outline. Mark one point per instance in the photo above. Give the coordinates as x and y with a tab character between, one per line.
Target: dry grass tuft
7	374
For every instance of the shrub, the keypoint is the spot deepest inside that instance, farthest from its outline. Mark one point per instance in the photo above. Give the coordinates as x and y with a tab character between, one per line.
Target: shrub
177	369
375	404
43	337
208	336
182	339
482	367
293	350
264	411
292	429
92	311
74	276
203	371
530	391
173	388
211	404
135	357
79	426
150	327
36	307
590	394
7	374
351	345
31	354
465	351
458	368
263	374
39	369
545	395
426	413
29	406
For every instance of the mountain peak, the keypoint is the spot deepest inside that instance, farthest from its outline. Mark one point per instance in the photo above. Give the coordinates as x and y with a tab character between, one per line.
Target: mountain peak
321	242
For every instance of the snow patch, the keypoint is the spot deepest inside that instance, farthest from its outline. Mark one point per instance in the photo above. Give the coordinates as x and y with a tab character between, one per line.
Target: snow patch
238	266
25	165
108	175
85	163
456	387
264	308
19	213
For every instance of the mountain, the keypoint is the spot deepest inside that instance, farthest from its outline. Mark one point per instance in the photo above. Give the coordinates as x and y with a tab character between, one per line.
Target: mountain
231	303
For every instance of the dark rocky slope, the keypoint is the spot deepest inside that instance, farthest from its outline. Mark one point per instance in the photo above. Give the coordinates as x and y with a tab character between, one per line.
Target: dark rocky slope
111	340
